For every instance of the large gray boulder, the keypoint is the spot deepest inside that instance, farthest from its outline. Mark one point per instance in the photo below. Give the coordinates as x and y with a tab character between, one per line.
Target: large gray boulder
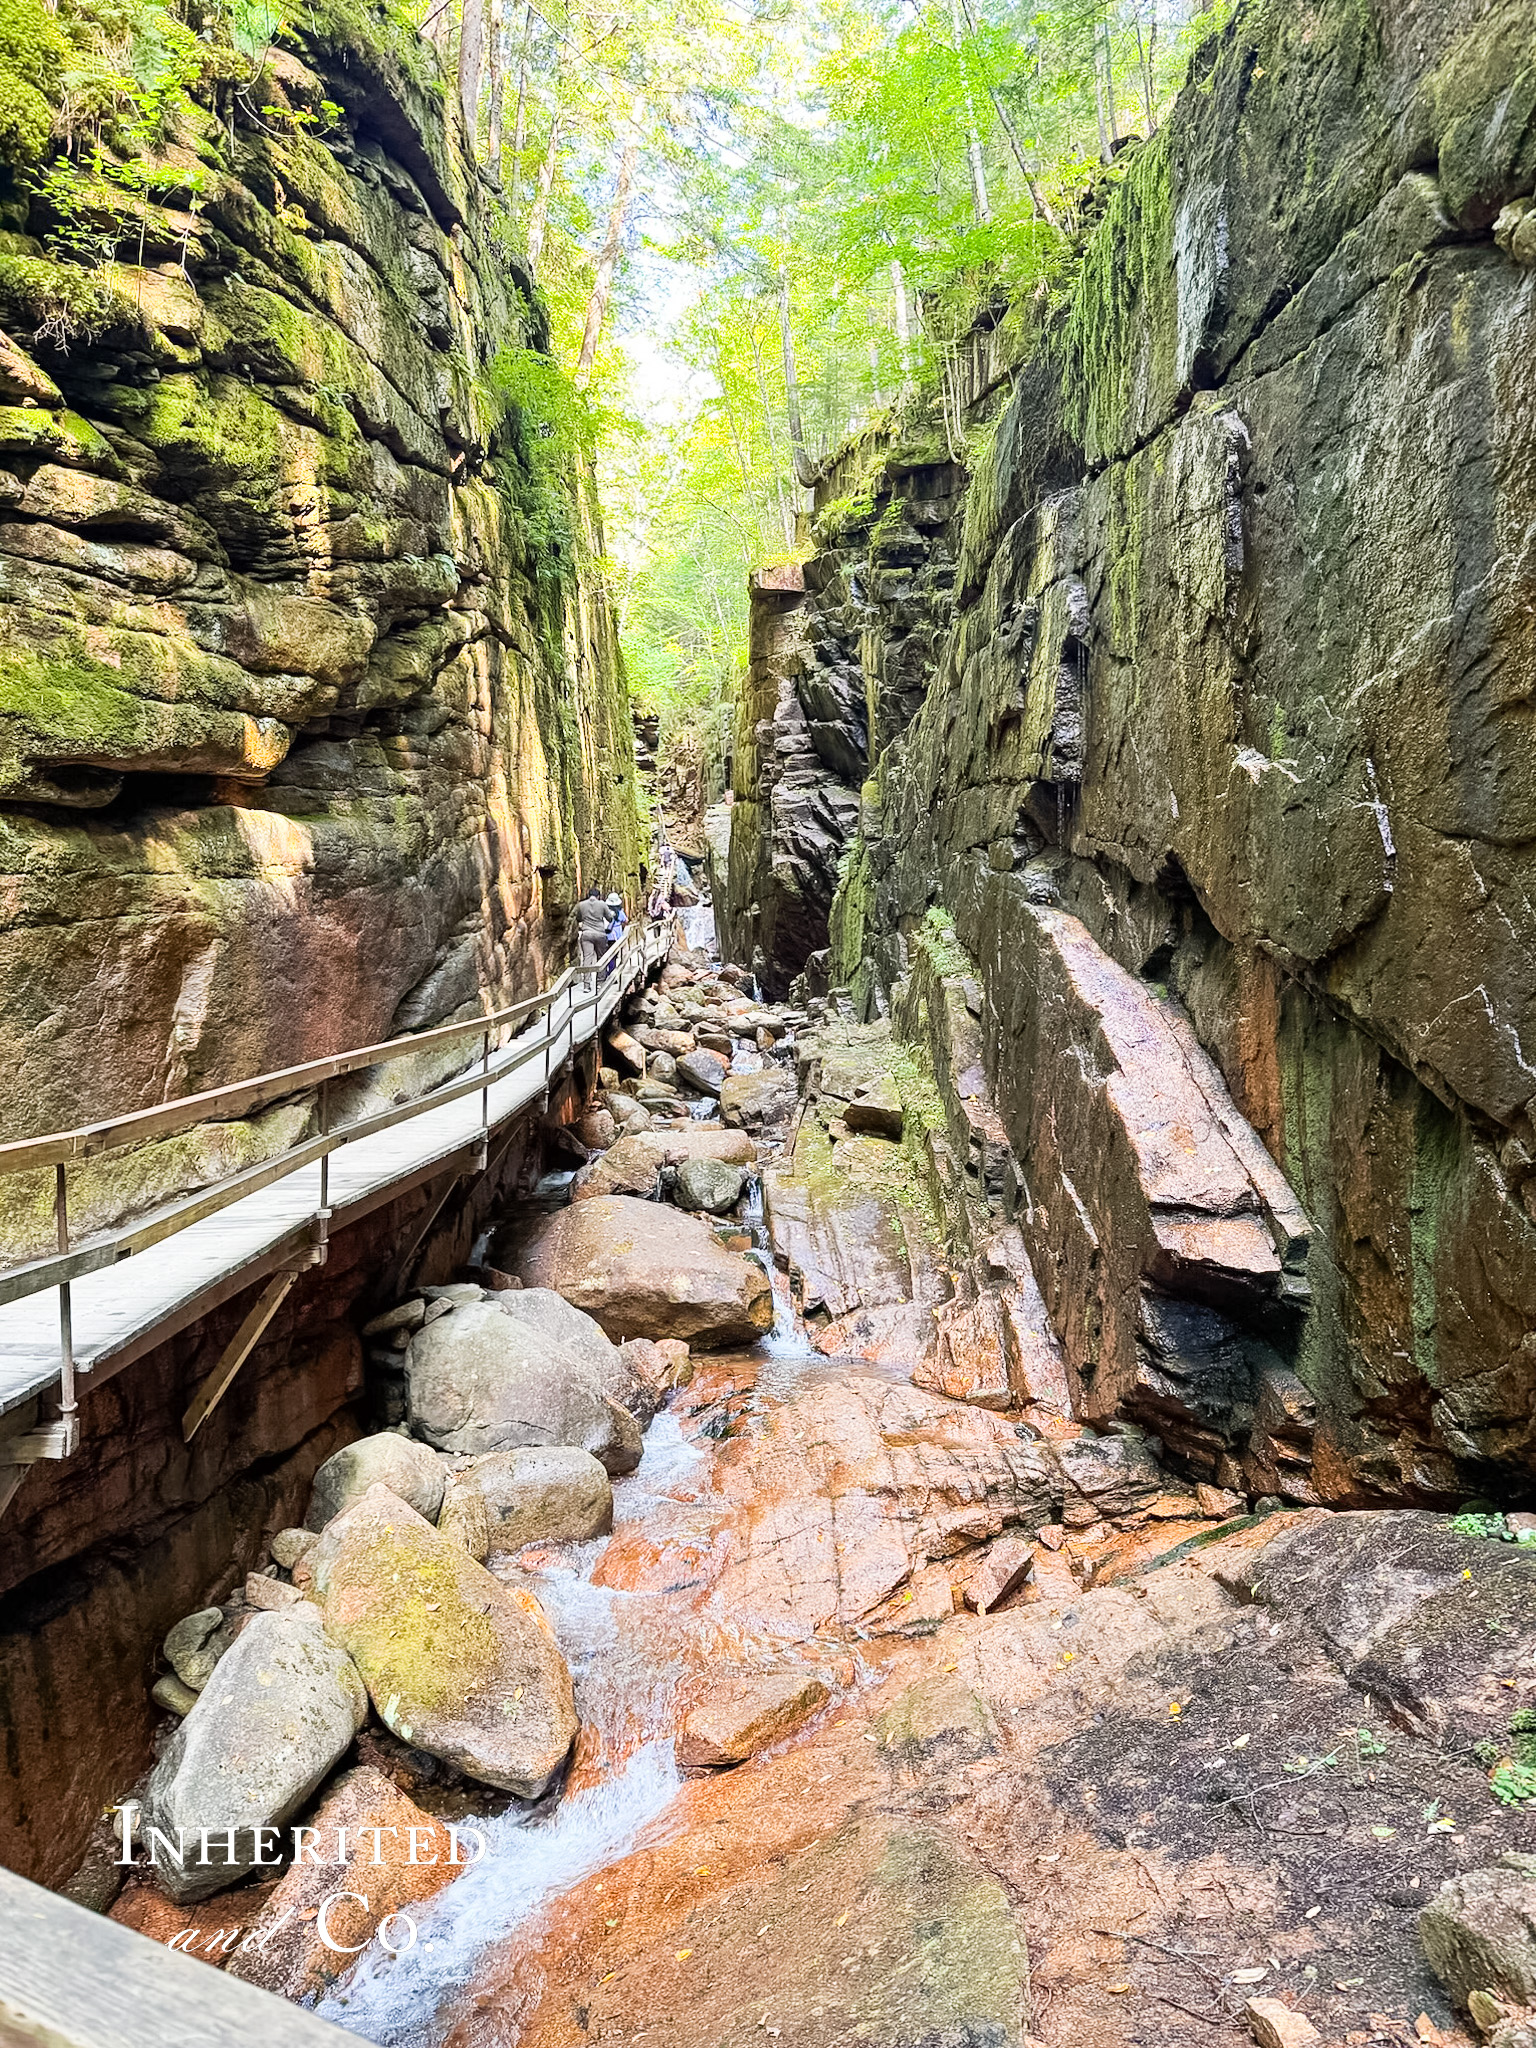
764	1101
277	1715
634	1166
704	1072
407	1468
548	1494
523	1369
646	1270
1479	1933
455	1663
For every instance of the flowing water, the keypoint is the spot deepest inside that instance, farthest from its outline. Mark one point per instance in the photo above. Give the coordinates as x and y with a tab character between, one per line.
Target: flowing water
626	1653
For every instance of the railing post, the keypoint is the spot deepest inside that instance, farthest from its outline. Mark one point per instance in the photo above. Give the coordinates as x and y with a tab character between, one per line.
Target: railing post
325	1132
67	1407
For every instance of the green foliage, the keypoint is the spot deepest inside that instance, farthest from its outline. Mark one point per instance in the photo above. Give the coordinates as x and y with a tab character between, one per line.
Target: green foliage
1492	1526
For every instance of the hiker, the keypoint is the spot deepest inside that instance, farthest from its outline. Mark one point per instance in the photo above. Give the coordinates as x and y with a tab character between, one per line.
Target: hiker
593	917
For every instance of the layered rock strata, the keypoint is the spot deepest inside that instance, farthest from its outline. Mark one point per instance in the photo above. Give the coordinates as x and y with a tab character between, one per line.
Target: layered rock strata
1219	783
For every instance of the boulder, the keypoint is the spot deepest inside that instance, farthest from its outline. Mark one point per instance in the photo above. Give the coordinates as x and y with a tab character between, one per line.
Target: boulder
712	1040
454	1663
1106	1476
464	1519
759	1102
877	1110
634	1165
1274	2024
289	1545
1002	1569
628	1053
661	1366
676	1044
703	1072
407	1468
195	1645
644	1270
736	1717
254	1748
523	1368
621	1105
1479	1933
709	1184
268	1594
633	1126
548	1494
597	1130
663	1068
378	1853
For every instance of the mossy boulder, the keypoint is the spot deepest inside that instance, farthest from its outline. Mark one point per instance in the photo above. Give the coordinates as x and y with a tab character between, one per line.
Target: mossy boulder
454	1663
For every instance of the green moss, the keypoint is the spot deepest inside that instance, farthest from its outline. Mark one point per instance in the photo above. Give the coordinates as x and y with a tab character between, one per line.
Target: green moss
420	1642
218	431
33	53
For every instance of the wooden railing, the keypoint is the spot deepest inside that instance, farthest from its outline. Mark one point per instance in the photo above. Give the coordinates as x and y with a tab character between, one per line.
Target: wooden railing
515	1027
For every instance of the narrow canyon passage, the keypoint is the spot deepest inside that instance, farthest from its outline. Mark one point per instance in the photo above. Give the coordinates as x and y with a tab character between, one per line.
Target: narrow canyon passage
768	1023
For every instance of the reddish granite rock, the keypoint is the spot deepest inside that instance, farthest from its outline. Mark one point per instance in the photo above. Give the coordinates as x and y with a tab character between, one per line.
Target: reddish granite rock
736	1716
372	1842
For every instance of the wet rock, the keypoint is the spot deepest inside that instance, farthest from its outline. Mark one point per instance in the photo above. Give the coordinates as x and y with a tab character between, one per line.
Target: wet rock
663	1069
378	1853
285	1705
1479	1934
708	1184
835	1507
634	1165
526	1368
195	1645
1216	1503
647	1271
212	1930
453	1662
703	1072
621	1105
938	1725
408	1469
1106	1476
735	1717
551	1494
289	1545
660	1365
877	1110
637	1123
759	1102
1002	1570
1273	2024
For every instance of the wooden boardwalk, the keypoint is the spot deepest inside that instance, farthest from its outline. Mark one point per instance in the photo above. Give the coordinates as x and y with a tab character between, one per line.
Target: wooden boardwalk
122	1311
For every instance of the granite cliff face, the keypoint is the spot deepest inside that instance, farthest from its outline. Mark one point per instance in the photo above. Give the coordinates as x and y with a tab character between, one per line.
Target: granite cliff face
311	730
1217	798
311	725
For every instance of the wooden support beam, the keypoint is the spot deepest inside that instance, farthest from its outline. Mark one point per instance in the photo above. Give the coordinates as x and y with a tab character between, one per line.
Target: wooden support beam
236	1352
11	1477
51	1440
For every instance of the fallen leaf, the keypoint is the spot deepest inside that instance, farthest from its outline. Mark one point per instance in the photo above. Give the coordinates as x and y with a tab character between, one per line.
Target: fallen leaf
1242	1741
1119	1987
1249	1976
683	1954
1174	1707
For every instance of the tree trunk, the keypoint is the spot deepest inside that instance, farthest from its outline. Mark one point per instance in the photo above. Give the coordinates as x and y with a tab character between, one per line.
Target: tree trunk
1144	51
607	263
498	53
520	126
972	138
471	62
1037	198
903	322
805	475
538	220
1109	88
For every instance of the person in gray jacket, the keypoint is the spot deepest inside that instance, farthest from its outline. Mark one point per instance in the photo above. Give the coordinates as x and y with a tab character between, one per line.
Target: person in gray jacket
593	918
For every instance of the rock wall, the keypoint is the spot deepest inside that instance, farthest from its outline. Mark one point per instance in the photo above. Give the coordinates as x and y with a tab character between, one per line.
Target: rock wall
311	731
1221	781
311	725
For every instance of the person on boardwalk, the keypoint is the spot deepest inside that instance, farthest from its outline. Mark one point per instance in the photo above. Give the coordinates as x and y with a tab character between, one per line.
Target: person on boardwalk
593	917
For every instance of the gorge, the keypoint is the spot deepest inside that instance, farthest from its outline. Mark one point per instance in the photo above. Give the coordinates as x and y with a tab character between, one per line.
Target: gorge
942	1455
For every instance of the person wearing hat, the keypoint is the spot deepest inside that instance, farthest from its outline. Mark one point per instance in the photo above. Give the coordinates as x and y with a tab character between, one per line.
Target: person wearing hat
618	918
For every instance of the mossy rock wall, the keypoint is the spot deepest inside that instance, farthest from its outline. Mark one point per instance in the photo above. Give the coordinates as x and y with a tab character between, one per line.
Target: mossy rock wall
312	725
1236	670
